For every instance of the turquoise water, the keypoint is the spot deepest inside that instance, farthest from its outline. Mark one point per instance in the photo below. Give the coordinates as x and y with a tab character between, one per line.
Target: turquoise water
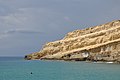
20	69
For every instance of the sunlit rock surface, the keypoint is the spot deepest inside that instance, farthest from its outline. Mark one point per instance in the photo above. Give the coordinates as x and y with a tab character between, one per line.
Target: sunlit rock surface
98	43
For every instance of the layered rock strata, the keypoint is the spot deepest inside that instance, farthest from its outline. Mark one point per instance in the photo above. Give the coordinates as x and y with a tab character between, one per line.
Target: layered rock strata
98	43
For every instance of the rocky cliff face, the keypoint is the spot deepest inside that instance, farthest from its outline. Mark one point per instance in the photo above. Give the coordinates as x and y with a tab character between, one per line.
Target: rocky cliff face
99	43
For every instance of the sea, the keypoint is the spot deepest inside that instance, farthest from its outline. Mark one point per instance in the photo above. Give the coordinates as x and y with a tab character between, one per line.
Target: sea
16	68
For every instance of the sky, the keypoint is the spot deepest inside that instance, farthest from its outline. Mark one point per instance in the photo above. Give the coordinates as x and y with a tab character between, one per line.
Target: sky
26	25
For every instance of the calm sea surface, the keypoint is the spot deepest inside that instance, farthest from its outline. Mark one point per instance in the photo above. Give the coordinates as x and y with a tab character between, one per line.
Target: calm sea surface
15	68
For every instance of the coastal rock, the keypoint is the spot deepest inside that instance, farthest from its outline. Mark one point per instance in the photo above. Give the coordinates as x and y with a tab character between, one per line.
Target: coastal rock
98	43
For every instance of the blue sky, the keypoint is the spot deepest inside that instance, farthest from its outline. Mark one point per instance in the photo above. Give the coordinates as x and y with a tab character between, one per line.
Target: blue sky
25	25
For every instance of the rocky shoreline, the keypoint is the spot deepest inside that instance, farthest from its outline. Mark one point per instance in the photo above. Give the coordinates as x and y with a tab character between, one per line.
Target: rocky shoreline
98	43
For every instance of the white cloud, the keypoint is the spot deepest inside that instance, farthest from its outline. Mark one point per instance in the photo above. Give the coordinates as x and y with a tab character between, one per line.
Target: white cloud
7	33
31	18
13	19
20	31
11	31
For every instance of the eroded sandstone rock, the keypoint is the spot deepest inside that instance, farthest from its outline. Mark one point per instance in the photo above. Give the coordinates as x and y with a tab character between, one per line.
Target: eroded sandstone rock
99	43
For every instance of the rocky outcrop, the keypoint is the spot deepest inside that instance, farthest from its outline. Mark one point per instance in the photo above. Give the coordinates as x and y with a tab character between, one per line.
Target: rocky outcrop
99	43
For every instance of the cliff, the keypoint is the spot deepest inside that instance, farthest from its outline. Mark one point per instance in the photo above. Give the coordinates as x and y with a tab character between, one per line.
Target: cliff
98	43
